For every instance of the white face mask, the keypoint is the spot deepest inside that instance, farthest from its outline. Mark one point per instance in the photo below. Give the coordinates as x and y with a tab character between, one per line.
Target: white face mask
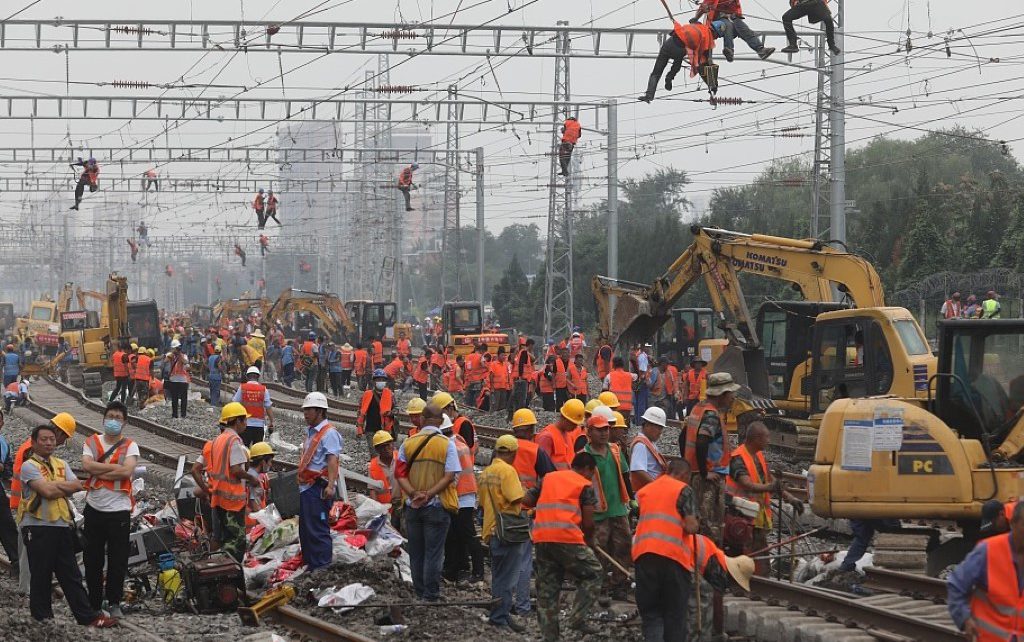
380	385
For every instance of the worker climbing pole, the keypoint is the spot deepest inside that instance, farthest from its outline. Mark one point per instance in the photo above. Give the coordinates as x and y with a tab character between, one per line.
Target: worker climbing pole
240	253
90	176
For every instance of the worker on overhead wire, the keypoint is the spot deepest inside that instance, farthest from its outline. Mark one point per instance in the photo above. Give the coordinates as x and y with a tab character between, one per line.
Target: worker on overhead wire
134	249
570	136
272	203
143	232
90	176
151	180
264	244
405	184
731	12
259	204
815	11
693	42
240	252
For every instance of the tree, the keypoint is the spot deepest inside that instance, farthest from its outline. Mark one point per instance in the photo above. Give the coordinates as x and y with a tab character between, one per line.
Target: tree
925	252
511	296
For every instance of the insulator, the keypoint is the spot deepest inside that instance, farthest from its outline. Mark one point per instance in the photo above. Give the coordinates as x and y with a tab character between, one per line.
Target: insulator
720	100
132	29
398	34
131	84
395	89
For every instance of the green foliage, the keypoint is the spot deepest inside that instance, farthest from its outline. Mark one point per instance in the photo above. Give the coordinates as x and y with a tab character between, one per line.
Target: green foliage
511	296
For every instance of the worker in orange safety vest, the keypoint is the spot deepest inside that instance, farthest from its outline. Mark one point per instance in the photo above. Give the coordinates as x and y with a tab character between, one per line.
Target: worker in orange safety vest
570	136
405	184
376	409
558	439
382	469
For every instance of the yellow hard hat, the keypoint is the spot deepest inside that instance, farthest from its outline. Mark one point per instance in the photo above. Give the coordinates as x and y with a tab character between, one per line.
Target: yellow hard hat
593	403
609	399
261	448
381	437
523	417
142	350
231	411
620	421
135	346
442	400
415	406
65	422
152	352
573	410
506	443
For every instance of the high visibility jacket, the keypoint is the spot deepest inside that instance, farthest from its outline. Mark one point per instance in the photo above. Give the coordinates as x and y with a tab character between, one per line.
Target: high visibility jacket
718	8
378	353
660	527
696	384
558	517
226	491
347	359
405	177
544	384
142	368
438	360
562	451
953	309
990	309
360	358
453	379
476	369
500	379
117	457
466	483
271	203
377	472
404	347
257	203
560	380
658	387
671	380
602	501
428	468
652	450
461	421
692	425
55	510
577	380
526	463
603	366
304	474
92	172
421	373
758	474
19	459
394	369
621	383
120	367
575	346
572	131
386	403
527	367
999	611
13	387
697	40
253	394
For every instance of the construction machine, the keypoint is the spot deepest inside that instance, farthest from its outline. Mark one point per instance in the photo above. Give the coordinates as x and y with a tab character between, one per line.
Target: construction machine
683	333
898	458
7	318
376	319
92	345
42	325
299	312
224	312
201	315
463	328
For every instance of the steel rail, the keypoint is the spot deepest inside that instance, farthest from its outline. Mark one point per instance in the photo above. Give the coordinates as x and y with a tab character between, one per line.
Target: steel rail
910	584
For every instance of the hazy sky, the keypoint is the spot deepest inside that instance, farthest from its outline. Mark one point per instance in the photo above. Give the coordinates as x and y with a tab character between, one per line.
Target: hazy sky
888	91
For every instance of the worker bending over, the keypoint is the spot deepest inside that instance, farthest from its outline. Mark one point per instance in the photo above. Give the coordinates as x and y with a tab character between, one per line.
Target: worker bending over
693	42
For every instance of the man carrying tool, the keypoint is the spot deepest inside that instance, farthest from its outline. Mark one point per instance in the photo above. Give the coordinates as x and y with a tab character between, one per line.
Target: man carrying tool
571	131
228	472
255	397
405	184
731	12
318	477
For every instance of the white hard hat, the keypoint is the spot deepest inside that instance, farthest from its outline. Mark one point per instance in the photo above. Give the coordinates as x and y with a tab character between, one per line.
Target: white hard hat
654	415
175	344
604	411
315	400
252	370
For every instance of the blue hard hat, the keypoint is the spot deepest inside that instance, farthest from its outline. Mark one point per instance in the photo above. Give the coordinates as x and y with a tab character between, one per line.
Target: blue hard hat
551	342
312	335
380	374
260	190
415	165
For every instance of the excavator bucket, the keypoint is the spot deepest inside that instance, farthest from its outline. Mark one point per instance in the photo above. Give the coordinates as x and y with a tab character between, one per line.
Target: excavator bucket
748	369
636	317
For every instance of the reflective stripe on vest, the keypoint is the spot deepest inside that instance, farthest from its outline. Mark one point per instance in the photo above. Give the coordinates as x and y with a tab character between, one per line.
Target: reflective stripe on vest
304	475
560	380
499	375
757	475
384	405
226	491
660	527
999	611
19	460
693	383
558	517
621	383
377	472
526	463
466	484
692	425
253	395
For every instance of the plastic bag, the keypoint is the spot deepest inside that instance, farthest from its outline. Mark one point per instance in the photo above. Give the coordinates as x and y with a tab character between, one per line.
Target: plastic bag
345	597
367	509
269	517
344	553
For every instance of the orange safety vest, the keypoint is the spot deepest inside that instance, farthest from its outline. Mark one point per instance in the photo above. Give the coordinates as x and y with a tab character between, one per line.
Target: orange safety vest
660	527
642	439
577	380
621	383
572	131
499	375
179	368
560	380
563	452
377	472
394	368
253	394
692	424
437	359
544	384
226	491
304	475
457	429
421	373
693	383
386	403
527	367
658	389
526	463
378	353
757	475
143	372
13	387
19	459
271	203
257	203
405	177
120	367
999	611
604	367
602	502
347	358
476	369
466	484
452	380
697	40
404	347
360	358
117	457
671	380
558	519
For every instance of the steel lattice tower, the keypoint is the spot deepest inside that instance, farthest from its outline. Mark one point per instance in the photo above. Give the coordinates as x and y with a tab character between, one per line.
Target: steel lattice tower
558	320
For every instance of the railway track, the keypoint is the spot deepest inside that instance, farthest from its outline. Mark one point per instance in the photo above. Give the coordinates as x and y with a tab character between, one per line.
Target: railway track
921	587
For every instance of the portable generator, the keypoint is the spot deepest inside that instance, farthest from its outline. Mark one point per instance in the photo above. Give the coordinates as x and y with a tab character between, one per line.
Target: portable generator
215	584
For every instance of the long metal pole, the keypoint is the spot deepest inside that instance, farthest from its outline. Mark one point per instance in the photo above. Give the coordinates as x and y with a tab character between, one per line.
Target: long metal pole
613	191
837	114
480	224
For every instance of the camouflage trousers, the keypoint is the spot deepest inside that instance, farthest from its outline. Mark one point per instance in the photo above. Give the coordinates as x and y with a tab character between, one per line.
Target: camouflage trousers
710	505
612	535
702	629
552	563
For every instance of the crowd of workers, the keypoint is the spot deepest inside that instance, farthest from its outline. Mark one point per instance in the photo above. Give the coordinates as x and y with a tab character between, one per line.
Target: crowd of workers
955	307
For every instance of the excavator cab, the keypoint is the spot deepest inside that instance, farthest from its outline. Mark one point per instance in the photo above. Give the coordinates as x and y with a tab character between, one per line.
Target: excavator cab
682	334
786	331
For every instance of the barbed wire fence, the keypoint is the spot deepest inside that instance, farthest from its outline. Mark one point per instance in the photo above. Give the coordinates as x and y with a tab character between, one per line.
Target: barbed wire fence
925	298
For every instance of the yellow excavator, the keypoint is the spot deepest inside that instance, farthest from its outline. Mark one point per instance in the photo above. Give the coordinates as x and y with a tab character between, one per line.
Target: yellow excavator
42	324
299	312
225	311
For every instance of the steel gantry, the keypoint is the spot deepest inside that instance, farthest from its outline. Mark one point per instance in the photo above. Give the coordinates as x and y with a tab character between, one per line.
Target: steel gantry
160	155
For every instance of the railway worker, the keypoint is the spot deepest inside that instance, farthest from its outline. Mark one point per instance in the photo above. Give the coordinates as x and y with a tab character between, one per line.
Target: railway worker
750	478
693	41
559	370
731	12
142	375
522	372
257	342
815	11
13	363
46	519
863	534
984	590
461	541
995	517
545	385
333	361
620	436
272	203
15	394
318	477
395	372
563	533
377	352
405	184
578	386
404	347
288	363
620	383
646	462
532	464
426	471
177	380
8	527
376	409
475	372
122	375
611	515
501	497
382	469
361	366
90	176
151	180
990	307
557	439
421	373
671	373
259	205
414	408
571	131
705	446
216	367
695	381
347	359
255	397
109	460
133	248
261	460
715	573
500	380
227	469
307	361
662	552
461	425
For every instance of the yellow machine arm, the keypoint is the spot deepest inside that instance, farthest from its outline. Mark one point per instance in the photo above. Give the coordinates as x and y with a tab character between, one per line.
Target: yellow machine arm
719	256
326	307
